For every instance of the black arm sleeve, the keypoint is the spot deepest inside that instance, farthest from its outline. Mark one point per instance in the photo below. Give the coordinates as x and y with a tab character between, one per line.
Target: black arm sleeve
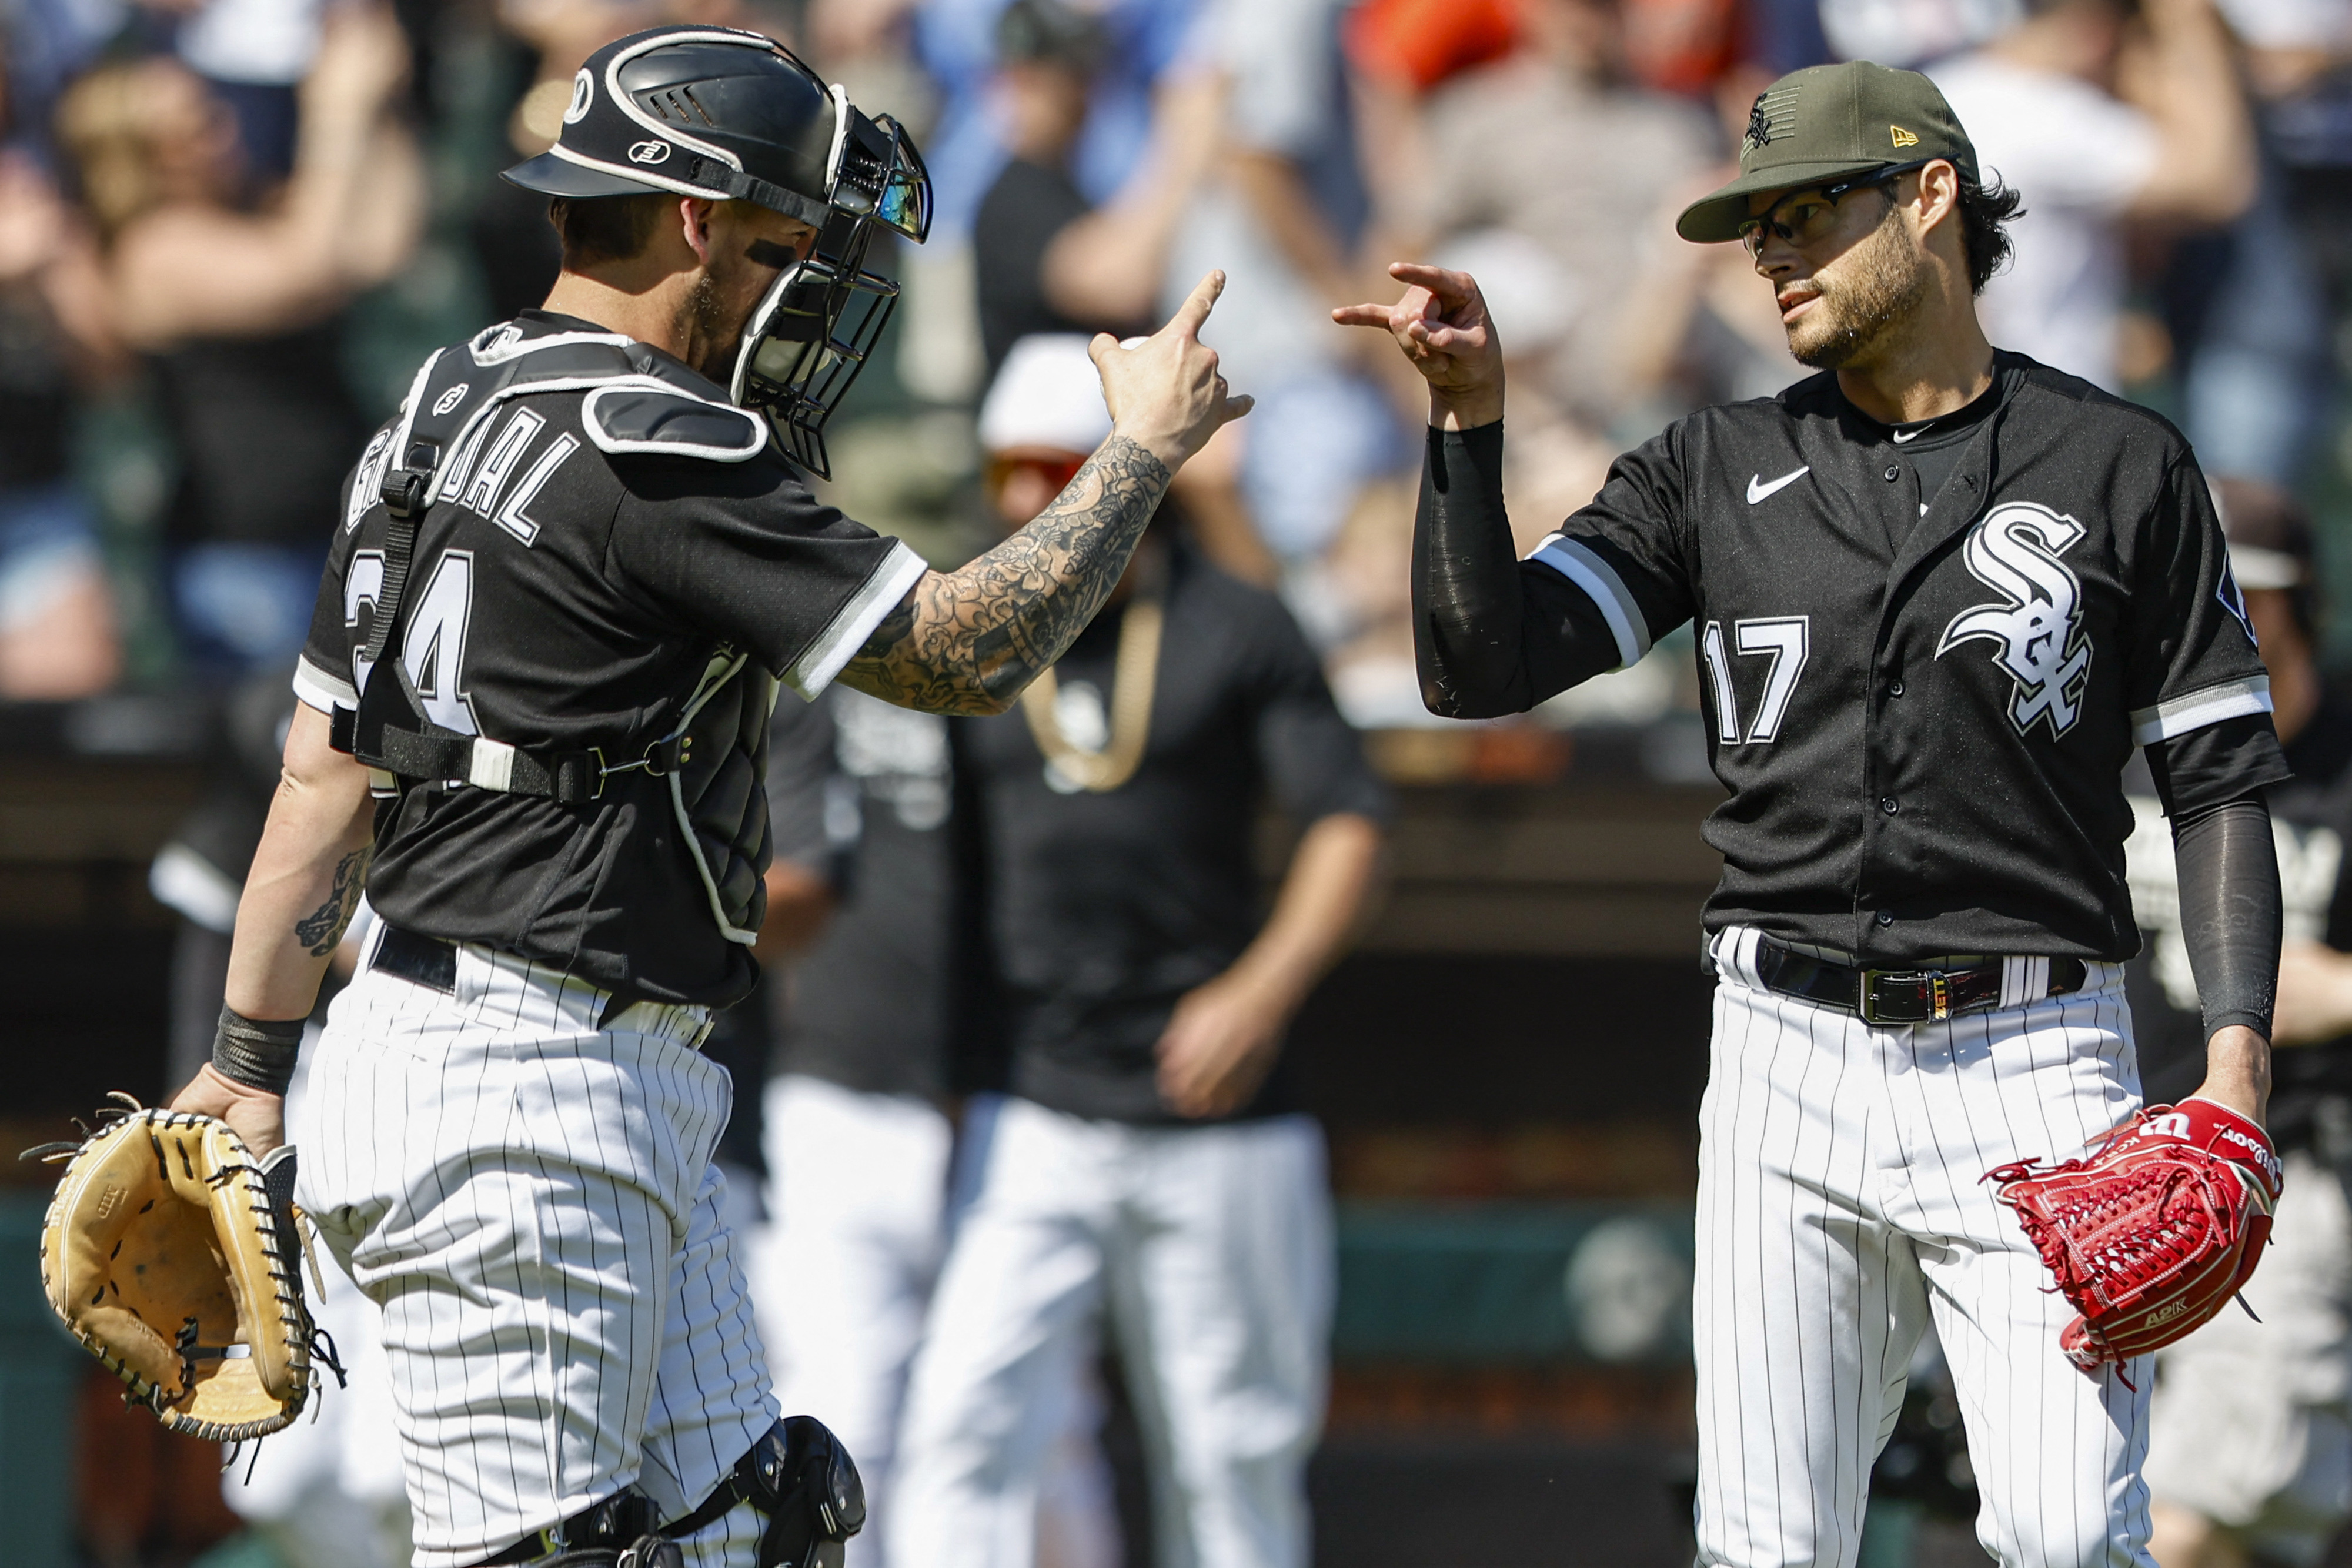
2230	911
1492	634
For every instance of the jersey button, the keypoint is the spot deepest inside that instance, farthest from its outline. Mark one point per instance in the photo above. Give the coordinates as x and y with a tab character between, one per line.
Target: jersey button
1886	917
1894	688
1893	473
1888	804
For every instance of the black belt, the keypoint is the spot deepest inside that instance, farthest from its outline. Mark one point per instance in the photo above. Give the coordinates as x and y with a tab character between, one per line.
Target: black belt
615	1523
620	1520
1898	996
433	963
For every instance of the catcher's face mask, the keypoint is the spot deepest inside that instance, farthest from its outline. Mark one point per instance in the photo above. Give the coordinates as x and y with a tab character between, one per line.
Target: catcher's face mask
816	324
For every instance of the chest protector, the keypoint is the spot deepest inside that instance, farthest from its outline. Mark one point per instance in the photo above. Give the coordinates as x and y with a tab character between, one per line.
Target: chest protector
711	755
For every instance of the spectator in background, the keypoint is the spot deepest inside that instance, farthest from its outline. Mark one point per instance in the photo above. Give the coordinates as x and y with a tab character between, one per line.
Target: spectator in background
957	42
1911	34
1048	54
1151	1162
2044	95
1048	261
2248	309
57	636
1282	209
1555	146
1695	330
235	305
2250	1445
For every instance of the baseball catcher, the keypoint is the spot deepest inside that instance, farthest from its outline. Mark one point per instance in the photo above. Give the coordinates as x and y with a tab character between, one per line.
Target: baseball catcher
569	582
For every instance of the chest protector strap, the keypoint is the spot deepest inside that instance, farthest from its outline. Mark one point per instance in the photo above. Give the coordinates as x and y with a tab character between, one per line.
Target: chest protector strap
449	408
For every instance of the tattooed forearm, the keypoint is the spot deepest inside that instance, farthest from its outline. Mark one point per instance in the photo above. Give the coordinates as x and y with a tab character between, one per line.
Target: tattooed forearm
968	641
325	926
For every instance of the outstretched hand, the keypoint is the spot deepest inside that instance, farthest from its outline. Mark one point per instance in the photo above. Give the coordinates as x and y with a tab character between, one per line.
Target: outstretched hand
1443	328
1164	392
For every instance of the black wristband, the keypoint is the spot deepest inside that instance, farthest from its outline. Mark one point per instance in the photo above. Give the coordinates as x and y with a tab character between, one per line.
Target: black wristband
255	1053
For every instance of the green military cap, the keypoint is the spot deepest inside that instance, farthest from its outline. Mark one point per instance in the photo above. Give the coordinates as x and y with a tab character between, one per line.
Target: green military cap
1827	123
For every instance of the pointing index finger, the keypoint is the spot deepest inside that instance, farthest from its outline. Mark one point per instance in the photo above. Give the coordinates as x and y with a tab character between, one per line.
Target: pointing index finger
1197	304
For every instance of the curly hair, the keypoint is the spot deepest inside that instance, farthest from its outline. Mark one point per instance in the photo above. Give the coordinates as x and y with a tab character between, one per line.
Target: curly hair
1984	213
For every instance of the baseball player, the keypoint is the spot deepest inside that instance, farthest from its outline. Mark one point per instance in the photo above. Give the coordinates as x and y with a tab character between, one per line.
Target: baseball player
566	585
1941	591
1150	1167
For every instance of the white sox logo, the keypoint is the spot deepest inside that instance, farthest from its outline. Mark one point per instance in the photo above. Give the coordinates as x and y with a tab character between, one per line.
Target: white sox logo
2038	634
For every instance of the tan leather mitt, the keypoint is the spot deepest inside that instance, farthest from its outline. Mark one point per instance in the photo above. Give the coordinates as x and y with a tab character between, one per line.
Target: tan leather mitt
171	1253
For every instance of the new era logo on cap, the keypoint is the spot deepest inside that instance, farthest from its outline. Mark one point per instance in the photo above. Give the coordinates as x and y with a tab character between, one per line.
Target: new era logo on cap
1901	137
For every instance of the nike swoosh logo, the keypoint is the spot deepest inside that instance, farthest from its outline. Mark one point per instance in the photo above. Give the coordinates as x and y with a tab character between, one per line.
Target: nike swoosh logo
1902	437
1757	489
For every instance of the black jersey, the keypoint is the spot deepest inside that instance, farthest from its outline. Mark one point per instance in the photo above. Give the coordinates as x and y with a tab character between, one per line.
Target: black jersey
589	550
1922	715
1103	909
863	791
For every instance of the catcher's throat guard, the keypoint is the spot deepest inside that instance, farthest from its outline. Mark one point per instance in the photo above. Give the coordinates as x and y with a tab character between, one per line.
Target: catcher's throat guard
2152	1233
171	1253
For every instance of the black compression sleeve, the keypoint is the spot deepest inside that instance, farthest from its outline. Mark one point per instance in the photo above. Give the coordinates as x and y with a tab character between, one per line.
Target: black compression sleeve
2230	912
1492	634
1466	580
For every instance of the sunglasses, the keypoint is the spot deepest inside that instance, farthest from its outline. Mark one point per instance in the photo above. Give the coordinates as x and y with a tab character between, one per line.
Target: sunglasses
1812	214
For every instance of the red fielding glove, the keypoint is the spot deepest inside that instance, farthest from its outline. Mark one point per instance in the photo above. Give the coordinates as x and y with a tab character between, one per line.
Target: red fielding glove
2152	1232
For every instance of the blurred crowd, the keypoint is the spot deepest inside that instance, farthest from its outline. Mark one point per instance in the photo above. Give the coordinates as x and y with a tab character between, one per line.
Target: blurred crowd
227	228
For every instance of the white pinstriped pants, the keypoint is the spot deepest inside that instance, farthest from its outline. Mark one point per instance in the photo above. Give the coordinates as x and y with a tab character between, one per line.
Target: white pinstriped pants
1839	1208
531	1200
1208	1247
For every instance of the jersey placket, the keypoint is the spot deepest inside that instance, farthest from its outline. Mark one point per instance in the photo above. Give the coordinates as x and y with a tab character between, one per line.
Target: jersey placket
1895	678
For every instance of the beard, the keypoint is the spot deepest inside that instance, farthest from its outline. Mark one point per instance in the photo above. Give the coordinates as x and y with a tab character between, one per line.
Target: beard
709	322
1883	284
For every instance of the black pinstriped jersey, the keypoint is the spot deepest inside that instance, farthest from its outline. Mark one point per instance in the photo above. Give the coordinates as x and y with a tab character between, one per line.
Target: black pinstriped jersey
1921	711
589	547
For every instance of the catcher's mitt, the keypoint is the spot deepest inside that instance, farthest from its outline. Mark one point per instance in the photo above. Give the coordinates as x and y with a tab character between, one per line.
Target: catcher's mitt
2151	1233
171	1255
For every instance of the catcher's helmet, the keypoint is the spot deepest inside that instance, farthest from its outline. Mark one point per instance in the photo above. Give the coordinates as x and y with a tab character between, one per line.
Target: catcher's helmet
719	113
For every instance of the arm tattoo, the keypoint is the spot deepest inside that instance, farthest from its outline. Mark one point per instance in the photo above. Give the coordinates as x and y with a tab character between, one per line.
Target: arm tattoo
325	926
968	641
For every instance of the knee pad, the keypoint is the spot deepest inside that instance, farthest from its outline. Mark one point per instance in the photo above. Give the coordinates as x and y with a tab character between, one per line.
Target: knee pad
804	1484
804	1481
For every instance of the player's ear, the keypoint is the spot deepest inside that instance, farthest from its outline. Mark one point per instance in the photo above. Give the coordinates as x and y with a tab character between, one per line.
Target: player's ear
694	216
1939	193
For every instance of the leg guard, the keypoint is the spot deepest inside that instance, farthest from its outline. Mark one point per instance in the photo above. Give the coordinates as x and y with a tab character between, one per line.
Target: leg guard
803	1480
805	1483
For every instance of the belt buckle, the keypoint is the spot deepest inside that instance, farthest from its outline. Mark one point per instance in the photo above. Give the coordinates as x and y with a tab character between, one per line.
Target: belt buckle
1936	985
